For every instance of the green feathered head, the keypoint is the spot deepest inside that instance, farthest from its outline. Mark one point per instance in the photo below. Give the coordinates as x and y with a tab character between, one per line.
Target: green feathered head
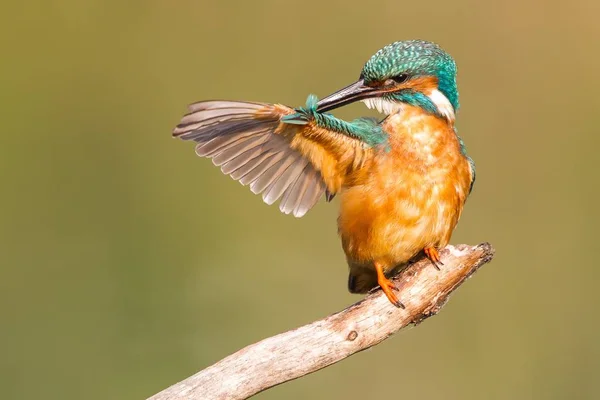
411	59
413	72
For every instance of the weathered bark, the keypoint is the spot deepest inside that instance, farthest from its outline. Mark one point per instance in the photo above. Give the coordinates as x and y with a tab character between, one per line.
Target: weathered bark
422	289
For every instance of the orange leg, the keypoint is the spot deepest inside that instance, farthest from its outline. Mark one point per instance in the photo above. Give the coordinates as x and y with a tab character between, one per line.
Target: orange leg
434	256
387	286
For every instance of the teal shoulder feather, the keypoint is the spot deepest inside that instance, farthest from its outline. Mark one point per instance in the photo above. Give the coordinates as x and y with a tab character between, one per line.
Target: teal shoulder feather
463	150
367	130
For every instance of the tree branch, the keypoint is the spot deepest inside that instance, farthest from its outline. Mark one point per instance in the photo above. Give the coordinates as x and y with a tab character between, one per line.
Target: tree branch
298	352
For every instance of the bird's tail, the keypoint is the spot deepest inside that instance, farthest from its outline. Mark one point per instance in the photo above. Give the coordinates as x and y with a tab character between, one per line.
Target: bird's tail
361	279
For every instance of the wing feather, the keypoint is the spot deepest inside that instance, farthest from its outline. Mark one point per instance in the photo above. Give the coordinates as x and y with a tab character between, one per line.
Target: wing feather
264	165
247	166
242	139
287	205
273	173
240	147
283	182
310	193
303	193
293	163
249	158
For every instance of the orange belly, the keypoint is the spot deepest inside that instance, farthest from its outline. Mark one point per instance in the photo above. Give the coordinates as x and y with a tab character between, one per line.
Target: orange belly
409	197
390	223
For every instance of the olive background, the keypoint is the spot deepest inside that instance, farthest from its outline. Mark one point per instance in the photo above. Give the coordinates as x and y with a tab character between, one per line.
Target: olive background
127	263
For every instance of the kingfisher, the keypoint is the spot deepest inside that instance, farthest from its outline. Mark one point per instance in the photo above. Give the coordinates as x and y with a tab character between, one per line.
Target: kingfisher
402	180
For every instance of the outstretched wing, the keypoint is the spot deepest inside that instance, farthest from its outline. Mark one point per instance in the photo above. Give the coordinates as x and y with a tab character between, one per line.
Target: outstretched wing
294	163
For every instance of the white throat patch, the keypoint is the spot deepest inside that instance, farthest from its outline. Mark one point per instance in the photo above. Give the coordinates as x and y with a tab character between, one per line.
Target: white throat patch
383	106
388	107
443	104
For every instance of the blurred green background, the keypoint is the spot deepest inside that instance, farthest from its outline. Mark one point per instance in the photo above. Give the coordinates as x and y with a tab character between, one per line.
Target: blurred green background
127	263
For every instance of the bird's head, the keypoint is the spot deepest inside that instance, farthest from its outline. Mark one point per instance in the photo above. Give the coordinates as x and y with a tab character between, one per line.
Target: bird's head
413	72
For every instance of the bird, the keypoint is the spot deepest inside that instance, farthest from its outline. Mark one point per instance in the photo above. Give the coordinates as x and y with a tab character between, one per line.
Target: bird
402	180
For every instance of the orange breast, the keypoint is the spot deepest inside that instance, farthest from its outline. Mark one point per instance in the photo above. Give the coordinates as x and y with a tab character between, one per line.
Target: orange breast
407	198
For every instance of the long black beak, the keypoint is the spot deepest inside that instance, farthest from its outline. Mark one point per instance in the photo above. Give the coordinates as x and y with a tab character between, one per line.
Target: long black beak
354	92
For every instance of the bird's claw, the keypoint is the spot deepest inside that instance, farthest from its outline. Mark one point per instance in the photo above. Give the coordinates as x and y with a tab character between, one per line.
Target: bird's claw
434	256
389	288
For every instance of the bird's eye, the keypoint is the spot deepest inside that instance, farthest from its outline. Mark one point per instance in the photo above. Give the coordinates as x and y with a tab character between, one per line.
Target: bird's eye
395	80
400	78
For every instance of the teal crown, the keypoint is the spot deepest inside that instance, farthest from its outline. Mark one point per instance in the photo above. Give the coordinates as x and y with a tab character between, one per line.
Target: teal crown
414	58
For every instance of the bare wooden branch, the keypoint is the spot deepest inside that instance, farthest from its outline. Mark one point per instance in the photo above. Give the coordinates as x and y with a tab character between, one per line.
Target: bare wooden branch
290	355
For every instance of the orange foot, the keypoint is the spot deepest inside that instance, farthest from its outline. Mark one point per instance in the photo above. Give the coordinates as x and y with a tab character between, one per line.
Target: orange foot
387	286
434	256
